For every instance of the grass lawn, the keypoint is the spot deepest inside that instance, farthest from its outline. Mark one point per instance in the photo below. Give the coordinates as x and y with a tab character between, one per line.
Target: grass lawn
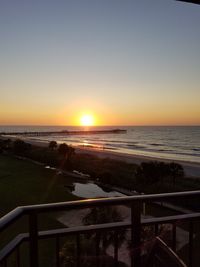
23	183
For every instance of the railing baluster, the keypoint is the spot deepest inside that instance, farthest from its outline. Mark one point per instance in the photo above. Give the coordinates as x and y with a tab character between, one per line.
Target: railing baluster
191	232
78	250
135	234
135	225
156	229
33	239
174	236
116	248
18	256
57	251
98	236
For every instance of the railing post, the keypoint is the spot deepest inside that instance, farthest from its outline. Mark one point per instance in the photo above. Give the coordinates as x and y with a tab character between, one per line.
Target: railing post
18	256
174	237
191	233
98	239
57	251
78	251
135	234
33	239
116	245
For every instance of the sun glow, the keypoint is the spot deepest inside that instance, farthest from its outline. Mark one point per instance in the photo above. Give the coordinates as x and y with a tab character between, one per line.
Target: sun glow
87	120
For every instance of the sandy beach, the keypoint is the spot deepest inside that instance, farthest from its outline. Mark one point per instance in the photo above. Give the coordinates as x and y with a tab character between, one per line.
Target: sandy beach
192	169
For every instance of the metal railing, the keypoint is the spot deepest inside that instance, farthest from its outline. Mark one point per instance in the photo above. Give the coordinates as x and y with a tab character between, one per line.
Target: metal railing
135	225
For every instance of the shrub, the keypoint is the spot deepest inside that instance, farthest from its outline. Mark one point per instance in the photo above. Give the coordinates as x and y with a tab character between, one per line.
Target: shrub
20	147
154	172
53	145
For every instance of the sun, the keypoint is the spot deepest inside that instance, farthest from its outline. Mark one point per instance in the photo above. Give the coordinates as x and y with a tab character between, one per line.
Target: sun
87	120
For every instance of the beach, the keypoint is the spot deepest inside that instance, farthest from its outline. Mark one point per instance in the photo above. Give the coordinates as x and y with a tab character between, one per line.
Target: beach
192	169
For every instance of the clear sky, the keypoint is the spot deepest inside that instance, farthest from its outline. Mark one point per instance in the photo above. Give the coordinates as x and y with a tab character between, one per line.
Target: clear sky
127	62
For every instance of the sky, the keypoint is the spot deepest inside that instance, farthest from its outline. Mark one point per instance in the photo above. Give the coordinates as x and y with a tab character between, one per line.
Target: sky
126	62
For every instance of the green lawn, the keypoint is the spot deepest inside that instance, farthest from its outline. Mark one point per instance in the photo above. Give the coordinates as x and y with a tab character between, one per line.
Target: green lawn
24	183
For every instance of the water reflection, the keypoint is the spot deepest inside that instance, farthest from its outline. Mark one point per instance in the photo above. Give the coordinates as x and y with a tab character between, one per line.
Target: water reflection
91	190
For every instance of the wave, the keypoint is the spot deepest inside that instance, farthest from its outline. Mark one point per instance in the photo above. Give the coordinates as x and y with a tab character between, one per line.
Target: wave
156	144
196	149
164	142
136	146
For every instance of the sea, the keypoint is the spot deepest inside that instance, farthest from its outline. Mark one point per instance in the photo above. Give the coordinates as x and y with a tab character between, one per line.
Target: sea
164	142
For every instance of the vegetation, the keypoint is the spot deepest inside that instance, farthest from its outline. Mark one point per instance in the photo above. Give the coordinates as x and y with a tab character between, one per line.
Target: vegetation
65	158
102	215
24	183
88	258
153	172
20	147
149	177
176	171
5	144
88	250
53	145
66	153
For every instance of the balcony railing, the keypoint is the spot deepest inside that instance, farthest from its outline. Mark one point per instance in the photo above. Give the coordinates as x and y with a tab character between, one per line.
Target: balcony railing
135	226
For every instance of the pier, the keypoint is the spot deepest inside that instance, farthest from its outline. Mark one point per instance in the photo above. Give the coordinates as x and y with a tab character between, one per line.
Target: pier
64	132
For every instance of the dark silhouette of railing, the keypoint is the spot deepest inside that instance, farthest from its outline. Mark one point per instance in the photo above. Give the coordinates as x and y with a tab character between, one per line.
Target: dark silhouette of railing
135	225
162	255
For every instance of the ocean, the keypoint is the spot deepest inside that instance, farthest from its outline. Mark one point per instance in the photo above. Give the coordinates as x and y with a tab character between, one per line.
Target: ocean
164	142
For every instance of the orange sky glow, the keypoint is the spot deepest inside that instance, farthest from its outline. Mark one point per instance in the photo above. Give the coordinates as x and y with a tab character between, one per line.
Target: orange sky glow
122	62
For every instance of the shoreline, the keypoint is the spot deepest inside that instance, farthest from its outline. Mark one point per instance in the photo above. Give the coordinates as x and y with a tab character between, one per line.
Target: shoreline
192	169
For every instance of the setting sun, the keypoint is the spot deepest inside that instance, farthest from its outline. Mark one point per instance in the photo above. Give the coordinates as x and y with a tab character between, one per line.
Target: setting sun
87	120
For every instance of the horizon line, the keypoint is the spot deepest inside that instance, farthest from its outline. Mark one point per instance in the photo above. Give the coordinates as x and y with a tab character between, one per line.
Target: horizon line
120	125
